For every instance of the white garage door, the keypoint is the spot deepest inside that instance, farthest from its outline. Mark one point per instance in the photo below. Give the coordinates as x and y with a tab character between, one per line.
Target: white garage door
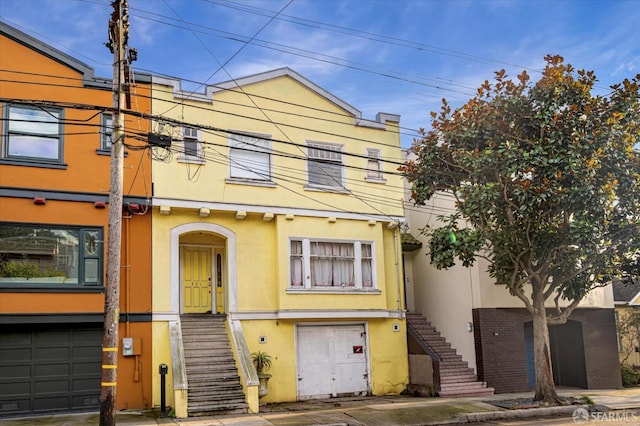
332	361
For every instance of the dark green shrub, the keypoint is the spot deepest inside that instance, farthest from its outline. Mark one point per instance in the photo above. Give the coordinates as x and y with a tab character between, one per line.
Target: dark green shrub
630	375
19	270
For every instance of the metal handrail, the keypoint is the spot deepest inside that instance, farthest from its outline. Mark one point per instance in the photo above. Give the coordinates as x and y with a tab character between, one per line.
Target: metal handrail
422	343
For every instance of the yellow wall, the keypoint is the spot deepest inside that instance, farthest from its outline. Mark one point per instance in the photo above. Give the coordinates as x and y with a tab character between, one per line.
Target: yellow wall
387	351
321	120
628	335
259	248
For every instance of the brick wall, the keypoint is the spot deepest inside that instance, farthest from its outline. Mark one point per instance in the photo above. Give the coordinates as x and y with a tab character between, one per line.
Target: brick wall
501	354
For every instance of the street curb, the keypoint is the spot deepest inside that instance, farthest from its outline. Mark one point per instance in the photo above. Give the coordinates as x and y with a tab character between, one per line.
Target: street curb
520	413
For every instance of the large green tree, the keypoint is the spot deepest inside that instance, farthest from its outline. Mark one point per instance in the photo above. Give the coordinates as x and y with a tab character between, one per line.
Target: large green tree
546	178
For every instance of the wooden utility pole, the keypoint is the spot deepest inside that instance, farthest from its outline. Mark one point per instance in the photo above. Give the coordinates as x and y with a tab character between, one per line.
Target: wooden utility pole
118	30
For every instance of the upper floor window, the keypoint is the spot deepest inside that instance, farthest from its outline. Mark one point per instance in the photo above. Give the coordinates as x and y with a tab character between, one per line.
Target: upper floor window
324	165
332	264
374	164
250	157
32	133
191	145
43	255
107	131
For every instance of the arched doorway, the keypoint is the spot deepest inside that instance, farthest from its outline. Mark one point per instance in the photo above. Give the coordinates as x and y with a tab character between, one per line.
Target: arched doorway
202	269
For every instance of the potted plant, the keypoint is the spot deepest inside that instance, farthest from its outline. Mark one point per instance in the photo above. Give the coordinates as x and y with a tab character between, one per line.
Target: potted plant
262	362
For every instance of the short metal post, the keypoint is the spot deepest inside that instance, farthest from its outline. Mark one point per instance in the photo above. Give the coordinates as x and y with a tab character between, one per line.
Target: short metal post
164	369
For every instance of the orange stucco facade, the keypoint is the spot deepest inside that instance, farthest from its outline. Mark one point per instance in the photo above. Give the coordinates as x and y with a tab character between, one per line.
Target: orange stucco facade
74	193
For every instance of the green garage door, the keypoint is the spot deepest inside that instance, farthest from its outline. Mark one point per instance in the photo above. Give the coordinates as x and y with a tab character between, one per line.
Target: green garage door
45	368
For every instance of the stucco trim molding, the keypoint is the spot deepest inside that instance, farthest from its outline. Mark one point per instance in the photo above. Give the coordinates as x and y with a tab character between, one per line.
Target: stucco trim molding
253	208
174	262
313	314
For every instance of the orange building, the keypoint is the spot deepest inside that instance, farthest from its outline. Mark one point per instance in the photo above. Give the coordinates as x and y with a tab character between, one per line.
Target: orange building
54	191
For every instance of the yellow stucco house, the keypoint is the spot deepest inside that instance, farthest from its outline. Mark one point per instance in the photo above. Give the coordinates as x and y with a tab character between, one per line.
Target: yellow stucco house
275	216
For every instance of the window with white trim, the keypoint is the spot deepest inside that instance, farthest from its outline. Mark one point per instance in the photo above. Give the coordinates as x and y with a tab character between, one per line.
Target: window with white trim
249	157
32	133
191	145
106	132
325	165
374	164
331	264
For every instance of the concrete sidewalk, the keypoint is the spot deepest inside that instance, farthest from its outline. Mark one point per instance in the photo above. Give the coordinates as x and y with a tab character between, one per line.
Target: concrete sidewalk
369	411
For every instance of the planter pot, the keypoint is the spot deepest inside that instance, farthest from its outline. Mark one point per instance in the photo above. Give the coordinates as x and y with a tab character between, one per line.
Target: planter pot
263	388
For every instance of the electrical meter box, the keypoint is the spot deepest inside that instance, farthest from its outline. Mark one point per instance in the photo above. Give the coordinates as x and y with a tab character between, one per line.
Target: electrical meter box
130	346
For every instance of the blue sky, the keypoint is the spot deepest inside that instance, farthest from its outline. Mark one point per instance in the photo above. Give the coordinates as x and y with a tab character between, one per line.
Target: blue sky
395	56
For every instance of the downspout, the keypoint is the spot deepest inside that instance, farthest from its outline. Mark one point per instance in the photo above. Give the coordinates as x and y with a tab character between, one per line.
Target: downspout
395	247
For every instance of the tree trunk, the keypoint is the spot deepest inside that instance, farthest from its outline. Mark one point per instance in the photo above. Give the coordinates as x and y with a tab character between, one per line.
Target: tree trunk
545	387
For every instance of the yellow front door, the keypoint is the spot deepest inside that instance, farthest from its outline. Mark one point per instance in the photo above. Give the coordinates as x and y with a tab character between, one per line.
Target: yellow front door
196	279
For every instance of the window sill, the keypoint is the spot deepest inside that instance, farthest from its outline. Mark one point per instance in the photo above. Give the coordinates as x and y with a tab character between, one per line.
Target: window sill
49	288
190	160
333	290
33	163
326	189
266	183
102	151
374	180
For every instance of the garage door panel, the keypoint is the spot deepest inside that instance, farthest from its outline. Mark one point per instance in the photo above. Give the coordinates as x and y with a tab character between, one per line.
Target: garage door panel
85	401
51	386
83	368
86	351
8	354
14	339
50	370
85	384
52	403
51	353
51	338
11	388
85	337
13	372
15	406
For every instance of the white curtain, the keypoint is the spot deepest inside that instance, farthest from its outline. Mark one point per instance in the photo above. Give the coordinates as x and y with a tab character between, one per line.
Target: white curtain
296	263
367	269
332	264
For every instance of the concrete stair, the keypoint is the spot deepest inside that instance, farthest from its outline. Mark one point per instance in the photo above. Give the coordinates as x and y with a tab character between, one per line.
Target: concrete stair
212	375
455	376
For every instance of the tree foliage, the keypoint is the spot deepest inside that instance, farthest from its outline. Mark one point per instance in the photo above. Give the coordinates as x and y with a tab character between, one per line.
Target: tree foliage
546	178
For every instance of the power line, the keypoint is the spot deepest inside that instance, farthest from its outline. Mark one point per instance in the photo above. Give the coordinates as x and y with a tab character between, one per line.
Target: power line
414	132
207	127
